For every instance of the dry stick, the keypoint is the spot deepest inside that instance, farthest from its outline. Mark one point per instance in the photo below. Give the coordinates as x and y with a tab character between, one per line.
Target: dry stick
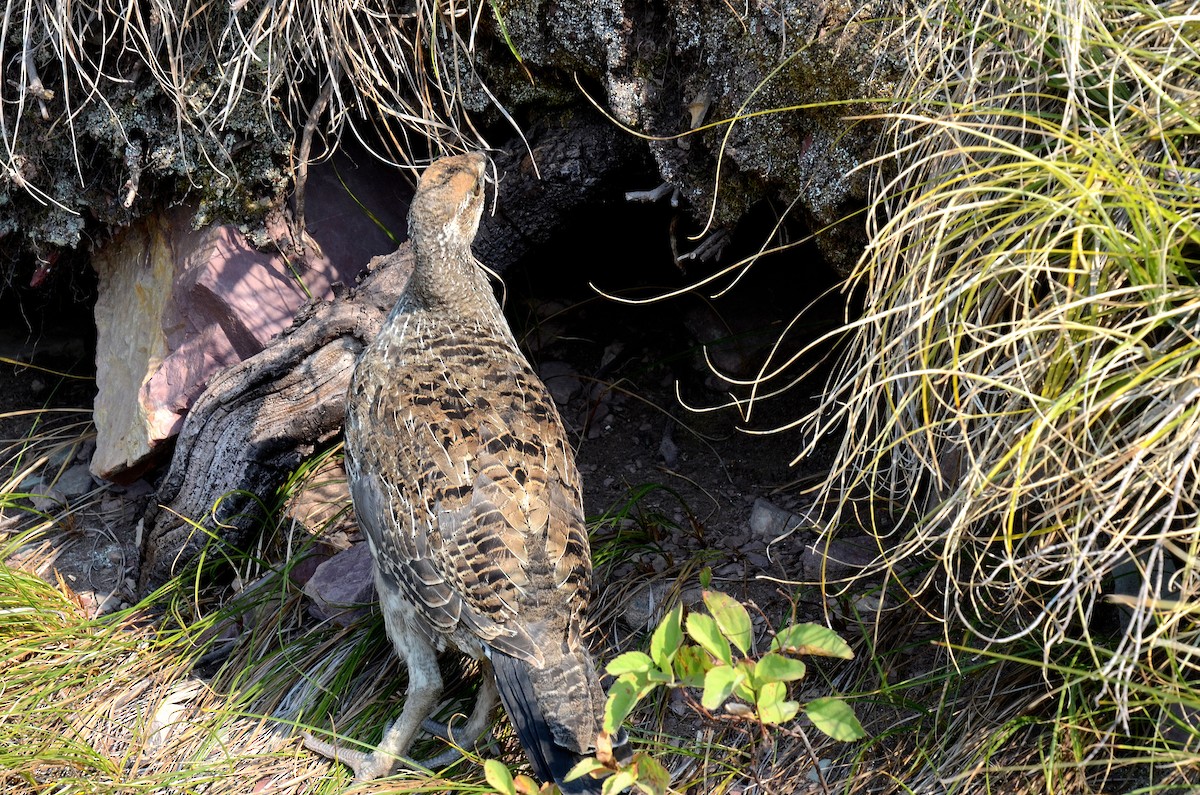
310	127
33	83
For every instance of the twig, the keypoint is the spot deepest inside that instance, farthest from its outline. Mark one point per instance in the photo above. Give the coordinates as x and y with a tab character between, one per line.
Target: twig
33	83
310	127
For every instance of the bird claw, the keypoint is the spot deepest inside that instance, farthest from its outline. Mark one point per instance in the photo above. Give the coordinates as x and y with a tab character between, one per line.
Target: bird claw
368	767
365	766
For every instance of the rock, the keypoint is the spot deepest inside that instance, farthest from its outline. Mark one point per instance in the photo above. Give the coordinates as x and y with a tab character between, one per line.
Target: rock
668	450
135	273
810	158
176	305
322	506
302	570
759	561
562	381
75	481
86	451
601	426
841	557
46	500
644	607
343	586
769	522
725	349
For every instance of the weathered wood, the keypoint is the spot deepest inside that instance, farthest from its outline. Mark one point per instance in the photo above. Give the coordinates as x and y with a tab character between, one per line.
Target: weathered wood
256	422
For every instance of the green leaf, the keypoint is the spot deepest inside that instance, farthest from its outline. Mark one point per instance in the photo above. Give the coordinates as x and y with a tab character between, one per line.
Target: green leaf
583	767
618	782
630	661
718	685
652	777
498	777
773	706
527	786
811	639
623	696
745	688
704	631
705	577
667	637
691	663
777	668
835	717
731	617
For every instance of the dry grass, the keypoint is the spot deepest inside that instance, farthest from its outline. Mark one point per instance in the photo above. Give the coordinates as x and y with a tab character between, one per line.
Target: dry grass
1019	399
401	76
205	685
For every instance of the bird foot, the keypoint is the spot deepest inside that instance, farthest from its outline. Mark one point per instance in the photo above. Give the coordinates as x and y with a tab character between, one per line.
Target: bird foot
368	767
458	739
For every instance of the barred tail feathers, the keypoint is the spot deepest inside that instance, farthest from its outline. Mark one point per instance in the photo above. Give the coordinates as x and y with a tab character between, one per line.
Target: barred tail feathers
554	712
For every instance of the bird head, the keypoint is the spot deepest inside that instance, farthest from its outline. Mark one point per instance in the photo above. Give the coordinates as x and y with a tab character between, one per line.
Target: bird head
446	209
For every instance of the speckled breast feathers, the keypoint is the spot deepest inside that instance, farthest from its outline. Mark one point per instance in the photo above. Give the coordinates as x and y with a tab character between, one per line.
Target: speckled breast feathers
462	476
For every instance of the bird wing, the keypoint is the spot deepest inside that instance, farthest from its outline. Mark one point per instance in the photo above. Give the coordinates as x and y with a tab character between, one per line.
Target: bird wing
482	520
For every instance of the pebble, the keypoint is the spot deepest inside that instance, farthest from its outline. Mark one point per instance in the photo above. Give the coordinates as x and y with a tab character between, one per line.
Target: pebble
86	450
47	500
601	427
667	449
759	561
75	481
841	557
562	381
769	522
644	608
343	586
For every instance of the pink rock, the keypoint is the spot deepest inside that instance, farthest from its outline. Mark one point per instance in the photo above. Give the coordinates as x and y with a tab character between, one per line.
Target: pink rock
227	303
177	305
343	587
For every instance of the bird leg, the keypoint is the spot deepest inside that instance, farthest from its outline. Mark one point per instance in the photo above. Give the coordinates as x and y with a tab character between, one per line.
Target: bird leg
424	690
475	727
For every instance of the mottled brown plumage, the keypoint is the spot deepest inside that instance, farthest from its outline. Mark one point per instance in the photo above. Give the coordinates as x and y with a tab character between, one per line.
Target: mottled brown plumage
465	484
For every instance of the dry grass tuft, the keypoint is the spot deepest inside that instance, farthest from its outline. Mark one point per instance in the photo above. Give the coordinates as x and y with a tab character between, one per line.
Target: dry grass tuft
1019	402
405	74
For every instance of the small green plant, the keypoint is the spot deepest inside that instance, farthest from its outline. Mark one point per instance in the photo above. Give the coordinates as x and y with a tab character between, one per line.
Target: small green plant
714	652
501	779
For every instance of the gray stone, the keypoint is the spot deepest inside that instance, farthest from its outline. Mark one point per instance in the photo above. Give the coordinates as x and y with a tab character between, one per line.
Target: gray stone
667	448
47	500
75	481
769	522
645	606
343	587
841	557
562	381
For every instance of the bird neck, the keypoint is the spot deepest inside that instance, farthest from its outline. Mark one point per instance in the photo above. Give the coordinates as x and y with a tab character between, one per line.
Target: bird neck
447	278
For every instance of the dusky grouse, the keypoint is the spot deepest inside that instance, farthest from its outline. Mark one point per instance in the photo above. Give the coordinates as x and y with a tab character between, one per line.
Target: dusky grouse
465	485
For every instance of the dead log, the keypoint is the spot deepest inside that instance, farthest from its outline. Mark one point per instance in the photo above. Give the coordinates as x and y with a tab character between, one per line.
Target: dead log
256	421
